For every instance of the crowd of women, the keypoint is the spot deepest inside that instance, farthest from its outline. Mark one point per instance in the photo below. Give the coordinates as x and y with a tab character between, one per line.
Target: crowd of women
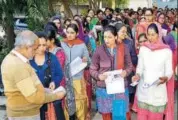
142	43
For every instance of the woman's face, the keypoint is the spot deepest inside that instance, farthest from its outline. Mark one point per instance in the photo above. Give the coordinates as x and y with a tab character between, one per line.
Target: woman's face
88	19
122	33
71	34
42	46
169	14
91	13
100	15
161	19
109	38
67	23
142	40
57	22
148	16
152	35
140	12
107	12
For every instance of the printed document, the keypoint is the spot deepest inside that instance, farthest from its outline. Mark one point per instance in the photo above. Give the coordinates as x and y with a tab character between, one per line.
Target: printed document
114	82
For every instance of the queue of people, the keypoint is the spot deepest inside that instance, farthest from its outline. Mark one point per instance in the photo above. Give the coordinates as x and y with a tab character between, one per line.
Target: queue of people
142	43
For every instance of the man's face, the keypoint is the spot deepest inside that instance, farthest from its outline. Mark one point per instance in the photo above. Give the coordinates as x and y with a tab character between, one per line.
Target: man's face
31	50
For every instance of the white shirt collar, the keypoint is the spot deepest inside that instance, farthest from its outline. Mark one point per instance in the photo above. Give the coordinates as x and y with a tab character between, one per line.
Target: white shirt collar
24	59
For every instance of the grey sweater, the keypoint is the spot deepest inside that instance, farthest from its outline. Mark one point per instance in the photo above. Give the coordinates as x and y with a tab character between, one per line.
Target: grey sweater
74	52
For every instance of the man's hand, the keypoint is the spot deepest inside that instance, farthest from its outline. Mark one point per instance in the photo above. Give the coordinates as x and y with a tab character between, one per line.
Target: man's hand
52	85
60	94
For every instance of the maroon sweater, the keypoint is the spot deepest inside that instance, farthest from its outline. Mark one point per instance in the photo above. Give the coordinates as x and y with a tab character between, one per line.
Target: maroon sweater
102	62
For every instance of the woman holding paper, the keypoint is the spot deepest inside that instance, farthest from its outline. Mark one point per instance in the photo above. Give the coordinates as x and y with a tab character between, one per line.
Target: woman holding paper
46	64
153	72
109	57
76	98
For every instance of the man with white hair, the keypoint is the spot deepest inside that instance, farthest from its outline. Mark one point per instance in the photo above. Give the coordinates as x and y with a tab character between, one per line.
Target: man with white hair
24	91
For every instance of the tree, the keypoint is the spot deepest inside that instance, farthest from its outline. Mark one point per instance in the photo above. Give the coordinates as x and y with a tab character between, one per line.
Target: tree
121	3
94	4
67	10
38	14
8	8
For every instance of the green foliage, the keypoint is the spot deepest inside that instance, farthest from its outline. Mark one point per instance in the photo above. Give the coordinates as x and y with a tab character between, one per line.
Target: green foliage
122	3
84	12
4	49
38	14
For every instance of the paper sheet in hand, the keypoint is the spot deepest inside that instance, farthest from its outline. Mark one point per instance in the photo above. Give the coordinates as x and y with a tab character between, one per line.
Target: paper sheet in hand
77	65
133	84
114	82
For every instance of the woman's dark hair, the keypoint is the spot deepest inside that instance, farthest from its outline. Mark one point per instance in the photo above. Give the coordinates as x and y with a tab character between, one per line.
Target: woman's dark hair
86	24
112	29
50	26
126	21
41	34
67	20
170	11
105	22
175	25
118	10
119	26
107	8
90	10
98	11
149	9
129	32
51	35
154	27
131	13
142	35
74	27
161	14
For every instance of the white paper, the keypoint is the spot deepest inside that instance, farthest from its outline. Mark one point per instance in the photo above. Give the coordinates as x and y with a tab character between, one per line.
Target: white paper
77	65
59	89
134	83
114	82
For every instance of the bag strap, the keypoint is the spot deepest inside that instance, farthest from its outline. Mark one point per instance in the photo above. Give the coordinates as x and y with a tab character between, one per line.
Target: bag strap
48	70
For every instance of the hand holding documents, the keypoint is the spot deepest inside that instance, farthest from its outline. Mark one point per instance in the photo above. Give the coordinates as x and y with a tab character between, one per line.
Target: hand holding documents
134	83
114	82
77	65
60	89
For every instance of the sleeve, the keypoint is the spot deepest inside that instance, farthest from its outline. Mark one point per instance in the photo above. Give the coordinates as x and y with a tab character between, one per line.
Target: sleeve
86	54
61	58
94	67
30	86
133	54
127	62
139	69
169	65
56	71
